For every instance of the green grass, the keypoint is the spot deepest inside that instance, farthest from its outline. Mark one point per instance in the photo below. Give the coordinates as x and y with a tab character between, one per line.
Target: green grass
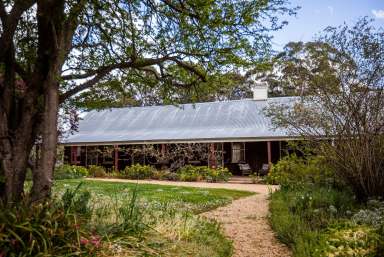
195	199
169	214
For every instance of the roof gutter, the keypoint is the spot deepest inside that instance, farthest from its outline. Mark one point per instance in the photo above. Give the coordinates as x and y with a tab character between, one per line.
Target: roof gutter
183	141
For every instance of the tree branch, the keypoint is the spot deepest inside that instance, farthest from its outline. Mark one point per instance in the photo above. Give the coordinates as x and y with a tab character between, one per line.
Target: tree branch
71	24
180	9
10	22
136	64
83	86
190	68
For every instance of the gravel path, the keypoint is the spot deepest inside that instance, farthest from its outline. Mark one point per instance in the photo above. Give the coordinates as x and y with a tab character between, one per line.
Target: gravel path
245	221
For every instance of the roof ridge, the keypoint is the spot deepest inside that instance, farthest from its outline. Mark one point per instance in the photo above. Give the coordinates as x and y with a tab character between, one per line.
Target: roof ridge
196	103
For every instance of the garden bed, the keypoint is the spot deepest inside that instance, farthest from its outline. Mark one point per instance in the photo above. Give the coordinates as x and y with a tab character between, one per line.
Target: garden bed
316	215
118	219
138	171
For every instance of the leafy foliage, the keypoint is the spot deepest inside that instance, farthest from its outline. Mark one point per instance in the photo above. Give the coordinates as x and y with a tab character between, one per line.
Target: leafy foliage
199	173
70	171
165	175
192	173
97	171
316	221
137	171
373	215
295	171
218	175
352	241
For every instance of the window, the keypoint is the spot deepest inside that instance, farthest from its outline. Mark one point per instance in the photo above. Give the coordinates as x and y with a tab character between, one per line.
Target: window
238	152
75	154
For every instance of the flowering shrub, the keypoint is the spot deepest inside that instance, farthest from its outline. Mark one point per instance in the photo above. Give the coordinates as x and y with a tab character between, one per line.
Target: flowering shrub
373	215
192	173
359	241
219	174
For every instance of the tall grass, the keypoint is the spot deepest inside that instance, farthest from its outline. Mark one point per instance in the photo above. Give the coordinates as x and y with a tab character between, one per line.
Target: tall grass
118	223
50	228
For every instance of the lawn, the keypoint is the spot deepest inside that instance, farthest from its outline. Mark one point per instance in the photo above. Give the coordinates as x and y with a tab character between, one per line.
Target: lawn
160	220
193	199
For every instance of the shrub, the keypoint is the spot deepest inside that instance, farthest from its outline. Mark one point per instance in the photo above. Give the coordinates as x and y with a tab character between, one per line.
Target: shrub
217	175
193	173
66	171
137	171
199	173
97	171
373	215
293	171
165	175
173	176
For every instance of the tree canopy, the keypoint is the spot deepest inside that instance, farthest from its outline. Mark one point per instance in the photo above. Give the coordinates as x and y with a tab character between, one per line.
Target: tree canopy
52	50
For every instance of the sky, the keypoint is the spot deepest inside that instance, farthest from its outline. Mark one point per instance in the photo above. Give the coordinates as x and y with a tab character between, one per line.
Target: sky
315	15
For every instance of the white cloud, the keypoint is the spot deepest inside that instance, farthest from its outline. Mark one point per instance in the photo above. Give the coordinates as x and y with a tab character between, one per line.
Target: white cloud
331	9
379	14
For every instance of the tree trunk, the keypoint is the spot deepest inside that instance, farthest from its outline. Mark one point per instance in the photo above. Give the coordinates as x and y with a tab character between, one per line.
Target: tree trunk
31	113
15	146
43	173
16	136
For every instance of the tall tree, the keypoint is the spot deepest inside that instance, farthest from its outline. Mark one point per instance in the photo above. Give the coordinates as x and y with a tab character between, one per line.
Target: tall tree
342	109
299	65
51	50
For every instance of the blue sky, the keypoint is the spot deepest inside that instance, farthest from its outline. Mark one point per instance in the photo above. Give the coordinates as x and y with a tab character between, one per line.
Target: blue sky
315	15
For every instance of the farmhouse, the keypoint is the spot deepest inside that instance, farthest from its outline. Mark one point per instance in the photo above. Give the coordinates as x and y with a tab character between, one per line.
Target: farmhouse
235	134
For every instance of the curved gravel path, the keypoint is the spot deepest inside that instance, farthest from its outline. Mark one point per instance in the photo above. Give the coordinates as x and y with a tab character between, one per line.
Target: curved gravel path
245	221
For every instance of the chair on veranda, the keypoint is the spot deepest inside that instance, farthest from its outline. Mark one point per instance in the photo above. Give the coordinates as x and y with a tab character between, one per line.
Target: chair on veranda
264	169
245	169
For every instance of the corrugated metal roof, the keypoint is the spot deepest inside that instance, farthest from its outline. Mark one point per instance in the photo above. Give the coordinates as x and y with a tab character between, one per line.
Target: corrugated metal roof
215	121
